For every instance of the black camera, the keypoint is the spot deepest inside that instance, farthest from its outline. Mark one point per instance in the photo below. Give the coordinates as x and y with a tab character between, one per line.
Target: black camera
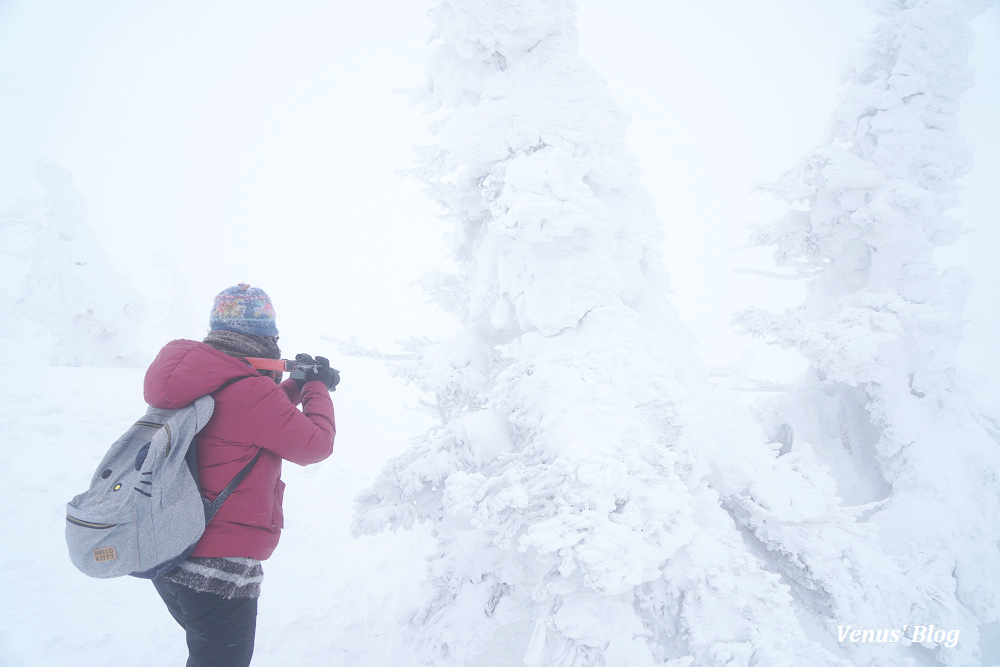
299	371
304	366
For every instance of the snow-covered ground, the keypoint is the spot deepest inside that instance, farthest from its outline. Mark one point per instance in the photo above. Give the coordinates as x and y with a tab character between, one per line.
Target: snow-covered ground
57	422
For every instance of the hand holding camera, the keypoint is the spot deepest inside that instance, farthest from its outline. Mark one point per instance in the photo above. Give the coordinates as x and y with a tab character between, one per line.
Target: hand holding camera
308	369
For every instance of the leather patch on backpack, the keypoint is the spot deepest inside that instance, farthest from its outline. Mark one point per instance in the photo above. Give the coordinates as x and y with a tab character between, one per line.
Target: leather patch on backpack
105	554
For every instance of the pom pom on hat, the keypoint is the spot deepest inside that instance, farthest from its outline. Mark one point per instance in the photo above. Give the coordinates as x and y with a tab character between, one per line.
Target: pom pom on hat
245	310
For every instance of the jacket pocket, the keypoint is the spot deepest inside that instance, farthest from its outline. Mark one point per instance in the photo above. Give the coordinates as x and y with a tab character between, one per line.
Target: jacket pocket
277	515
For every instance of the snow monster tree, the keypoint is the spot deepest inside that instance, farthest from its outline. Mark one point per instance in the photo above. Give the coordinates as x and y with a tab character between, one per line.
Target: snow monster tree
592	503
883	405
66	301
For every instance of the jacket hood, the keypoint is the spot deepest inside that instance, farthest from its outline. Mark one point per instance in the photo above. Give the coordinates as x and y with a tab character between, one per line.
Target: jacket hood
185	370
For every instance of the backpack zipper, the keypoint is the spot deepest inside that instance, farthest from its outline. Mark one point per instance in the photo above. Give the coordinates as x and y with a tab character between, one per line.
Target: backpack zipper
89	524
155	425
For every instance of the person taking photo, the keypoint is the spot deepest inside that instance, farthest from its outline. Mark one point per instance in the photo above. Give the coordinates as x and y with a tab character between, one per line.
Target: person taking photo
213	593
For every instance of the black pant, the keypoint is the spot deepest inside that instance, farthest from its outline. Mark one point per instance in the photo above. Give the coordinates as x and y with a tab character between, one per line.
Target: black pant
220	631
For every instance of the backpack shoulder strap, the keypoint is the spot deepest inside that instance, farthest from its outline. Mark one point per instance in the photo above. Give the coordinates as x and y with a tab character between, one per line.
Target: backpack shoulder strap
232	381
212	506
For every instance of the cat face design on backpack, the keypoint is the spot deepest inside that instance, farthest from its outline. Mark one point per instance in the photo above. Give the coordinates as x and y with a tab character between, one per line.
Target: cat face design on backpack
145	482
107	473
143	508
144	511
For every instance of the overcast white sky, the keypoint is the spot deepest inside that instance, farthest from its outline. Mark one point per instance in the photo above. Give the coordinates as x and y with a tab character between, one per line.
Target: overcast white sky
263	143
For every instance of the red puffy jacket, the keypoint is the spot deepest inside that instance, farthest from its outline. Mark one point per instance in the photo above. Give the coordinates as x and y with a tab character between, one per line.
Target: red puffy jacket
249	415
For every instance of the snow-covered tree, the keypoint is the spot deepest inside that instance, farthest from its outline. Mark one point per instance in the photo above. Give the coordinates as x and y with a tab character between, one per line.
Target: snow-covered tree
593	502
63	290
883	404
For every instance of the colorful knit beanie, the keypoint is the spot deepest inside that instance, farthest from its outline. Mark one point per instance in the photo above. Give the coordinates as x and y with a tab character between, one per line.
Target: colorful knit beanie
245	310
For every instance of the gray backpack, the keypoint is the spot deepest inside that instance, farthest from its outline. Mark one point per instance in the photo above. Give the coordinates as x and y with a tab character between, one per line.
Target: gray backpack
144	512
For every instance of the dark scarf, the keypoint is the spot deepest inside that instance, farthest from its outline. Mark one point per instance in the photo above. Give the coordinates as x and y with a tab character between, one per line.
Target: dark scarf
243	345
